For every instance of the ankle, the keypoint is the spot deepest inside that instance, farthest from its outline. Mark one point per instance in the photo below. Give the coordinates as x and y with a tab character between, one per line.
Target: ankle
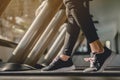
98	51
96	47
64	57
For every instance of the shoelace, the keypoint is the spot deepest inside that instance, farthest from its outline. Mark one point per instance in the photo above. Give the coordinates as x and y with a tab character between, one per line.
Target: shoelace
55	61
91	59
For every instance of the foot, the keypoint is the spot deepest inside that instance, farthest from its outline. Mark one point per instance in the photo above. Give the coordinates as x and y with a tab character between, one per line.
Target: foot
60	65
99	61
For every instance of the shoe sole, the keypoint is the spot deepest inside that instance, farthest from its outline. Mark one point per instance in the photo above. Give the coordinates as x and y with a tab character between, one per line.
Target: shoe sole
108	60
62	69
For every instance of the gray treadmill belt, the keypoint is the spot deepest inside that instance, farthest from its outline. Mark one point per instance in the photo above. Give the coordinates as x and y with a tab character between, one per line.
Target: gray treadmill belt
68	73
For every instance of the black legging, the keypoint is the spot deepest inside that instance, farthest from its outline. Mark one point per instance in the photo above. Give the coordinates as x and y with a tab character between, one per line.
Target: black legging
78	18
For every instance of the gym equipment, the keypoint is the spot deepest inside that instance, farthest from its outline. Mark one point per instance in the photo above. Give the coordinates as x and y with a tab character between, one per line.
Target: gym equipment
14	67
8	43
34	32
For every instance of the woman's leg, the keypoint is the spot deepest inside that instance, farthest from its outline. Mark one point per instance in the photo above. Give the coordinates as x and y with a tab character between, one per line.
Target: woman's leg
72	33
83	20
64	61
79	17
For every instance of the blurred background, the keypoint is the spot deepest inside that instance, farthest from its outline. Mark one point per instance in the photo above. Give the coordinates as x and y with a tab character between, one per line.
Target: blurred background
16	18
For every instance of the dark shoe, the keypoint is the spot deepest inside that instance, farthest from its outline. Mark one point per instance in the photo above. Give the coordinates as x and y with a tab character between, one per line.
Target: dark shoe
60	65
100	61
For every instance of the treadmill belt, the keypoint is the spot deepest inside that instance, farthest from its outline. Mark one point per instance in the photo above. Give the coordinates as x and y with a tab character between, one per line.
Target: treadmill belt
67	73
